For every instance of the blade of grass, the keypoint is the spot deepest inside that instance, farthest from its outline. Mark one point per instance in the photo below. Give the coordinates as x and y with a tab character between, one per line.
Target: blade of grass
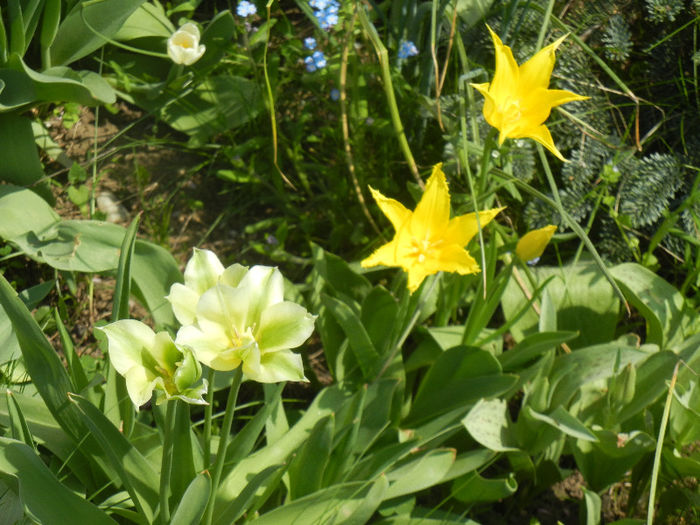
660	446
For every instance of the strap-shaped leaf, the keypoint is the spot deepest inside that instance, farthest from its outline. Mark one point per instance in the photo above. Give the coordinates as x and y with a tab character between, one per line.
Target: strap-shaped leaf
45	497
132	468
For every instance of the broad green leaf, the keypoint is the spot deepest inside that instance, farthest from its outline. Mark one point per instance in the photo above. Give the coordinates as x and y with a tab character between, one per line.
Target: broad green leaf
329	506
590	368
194	501
93	21
423	516
473	488
86	246
307	467
533	346
685	414
562	420
418	473
379	312
244	441
216	37
339	275
585	303
669	320
592	505
605	461
650	383
149	20
363	512
489	424
139	478
216	105
45	497
380	460
20	160
260	484
459	377
329	400
360	343
24	86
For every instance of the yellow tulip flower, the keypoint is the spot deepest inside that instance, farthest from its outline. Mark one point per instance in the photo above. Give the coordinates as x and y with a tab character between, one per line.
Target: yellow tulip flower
518	101
532	244
427	241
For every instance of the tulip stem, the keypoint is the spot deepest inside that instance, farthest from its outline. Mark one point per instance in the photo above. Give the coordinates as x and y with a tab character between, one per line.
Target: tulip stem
206	432
167	461
223	443
388	85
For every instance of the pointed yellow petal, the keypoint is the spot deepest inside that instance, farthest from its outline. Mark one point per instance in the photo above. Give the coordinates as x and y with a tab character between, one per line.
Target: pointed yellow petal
393	209
532	244
451	258
433	211
538	69
416	275
461	229
557	97
384	255
541	134
505	77
490	113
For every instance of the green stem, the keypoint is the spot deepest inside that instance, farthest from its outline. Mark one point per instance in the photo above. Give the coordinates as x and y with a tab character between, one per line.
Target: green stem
167	462
223	443
660	446
383	56
206	432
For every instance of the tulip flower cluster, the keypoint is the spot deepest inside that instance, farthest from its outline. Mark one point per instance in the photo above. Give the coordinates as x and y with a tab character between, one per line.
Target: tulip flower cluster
230	317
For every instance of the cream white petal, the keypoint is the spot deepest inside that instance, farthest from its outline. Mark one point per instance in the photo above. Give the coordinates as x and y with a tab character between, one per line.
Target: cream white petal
265	287
223	308
203	270
284	325
140	384
281	366
127	339
205	345
184	303
233	275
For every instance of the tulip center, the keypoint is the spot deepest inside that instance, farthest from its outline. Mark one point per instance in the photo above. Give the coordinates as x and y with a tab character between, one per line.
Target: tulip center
242	340
185	41
511	110
422	249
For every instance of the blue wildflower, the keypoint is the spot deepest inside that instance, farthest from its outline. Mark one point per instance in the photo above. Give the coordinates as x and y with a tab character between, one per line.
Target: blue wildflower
407	49
310	65
326	12
310	42
319	59
335	94
246	8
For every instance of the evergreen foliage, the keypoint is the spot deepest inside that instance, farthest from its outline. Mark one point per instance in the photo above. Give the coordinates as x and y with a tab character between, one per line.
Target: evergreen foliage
663	10
617	39
648	186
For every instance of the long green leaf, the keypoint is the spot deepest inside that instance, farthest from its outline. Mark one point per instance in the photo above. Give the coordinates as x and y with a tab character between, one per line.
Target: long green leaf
18	425
46	498
133	469
193	502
